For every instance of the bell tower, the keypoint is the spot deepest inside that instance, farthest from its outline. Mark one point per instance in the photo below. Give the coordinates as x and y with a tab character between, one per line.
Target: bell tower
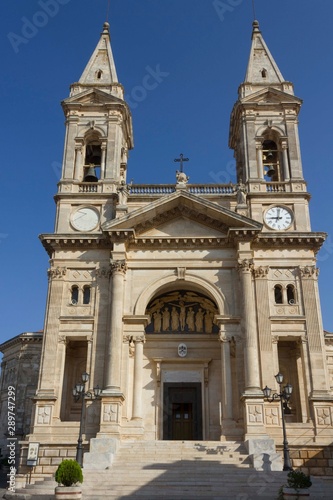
264	137
98	137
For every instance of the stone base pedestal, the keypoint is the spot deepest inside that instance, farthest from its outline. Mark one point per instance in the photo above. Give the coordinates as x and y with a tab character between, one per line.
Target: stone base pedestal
101	454
262	451
68	492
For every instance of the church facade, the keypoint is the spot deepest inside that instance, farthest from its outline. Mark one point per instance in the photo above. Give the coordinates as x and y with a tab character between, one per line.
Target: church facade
182	301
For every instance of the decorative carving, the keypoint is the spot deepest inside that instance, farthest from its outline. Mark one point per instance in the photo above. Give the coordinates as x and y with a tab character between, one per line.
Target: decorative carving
181	271
56	272
309	271
275	339
224	337
181	177
261	271
110	413
118	266
272	416
245	265
103	272
182	350
182	311
44	415
255	414
324	416
62	339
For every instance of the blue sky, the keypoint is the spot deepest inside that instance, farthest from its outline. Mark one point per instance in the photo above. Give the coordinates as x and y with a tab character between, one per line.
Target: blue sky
202	48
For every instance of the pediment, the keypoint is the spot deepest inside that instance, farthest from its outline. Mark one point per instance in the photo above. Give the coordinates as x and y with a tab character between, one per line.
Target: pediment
185	228
181	215
271	95
92	96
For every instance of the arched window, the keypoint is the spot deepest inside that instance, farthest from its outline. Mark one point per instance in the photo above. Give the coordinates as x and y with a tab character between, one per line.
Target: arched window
278	294
264	73
93	159
99	74
291	296
86	294
271	161
74	295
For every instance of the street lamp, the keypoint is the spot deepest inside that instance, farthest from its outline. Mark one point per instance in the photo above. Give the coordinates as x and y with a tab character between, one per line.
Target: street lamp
283	396
79	393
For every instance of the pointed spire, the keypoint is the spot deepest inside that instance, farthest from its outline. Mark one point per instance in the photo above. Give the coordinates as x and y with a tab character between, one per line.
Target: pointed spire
262	69
100	72
101	69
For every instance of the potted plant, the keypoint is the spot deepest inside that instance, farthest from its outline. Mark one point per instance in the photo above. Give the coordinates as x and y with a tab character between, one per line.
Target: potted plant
297	487
68	475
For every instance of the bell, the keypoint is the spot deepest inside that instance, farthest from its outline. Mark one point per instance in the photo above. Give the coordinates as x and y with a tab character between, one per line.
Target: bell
269	155
90	175
271	171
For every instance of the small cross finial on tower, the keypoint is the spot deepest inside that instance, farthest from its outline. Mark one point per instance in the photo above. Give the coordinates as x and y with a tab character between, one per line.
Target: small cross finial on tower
180	160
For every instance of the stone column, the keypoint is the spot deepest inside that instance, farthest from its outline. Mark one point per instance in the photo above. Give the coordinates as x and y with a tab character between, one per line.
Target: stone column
259	160
249	327
285	161
113	361
226	378
264	325
78	173
138	377
103	149
315	334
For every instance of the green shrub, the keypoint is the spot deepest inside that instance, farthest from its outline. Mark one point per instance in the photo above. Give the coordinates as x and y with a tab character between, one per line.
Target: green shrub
68	473
298	480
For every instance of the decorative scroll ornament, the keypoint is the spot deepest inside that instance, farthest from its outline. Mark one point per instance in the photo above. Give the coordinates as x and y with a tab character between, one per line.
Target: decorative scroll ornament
118	266
56	272
261	271
309	271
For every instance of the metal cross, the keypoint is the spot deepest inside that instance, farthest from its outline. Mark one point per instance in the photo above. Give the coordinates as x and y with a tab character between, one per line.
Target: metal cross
181	160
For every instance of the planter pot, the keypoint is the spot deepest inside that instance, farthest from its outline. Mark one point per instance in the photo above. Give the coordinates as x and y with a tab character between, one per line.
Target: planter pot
68	492
292	494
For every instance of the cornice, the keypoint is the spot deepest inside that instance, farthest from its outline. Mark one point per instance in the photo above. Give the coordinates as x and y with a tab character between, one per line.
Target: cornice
314	241
52	242
23	338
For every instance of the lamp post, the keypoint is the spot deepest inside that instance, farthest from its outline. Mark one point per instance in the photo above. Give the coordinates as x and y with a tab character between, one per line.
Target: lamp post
79	393
283	396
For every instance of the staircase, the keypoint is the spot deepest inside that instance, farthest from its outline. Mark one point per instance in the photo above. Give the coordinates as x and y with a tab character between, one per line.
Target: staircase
181	470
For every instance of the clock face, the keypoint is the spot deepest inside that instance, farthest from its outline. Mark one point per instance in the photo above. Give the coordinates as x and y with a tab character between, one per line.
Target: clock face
278	218
85	219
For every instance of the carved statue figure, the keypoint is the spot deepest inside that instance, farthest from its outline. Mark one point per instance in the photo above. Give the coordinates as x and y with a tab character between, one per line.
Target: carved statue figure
241	194
209	322
199	320
190	319
174	319
157	321
166	319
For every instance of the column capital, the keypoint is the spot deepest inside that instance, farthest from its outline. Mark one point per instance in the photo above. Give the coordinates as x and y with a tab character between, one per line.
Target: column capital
245	265
308	272
56	272
103	272
260	271
118	266
139	339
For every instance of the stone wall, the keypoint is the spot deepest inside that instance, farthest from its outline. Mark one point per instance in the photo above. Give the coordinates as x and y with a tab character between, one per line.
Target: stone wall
313	460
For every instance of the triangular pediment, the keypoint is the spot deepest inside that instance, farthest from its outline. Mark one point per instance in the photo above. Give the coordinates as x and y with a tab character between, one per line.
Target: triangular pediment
92	96
181	214
183	227
271	95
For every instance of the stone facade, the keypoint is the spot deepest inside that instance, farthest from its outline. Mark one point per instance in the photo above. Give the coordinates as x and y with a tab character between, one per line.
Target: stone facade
182	301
